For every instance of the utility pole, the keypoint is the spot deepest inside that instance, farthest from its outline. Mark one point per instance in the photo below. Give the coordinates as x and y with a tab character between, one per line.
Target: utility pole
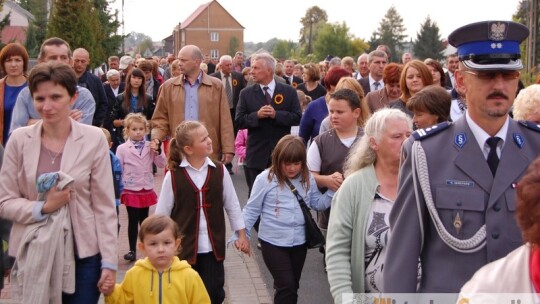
531	42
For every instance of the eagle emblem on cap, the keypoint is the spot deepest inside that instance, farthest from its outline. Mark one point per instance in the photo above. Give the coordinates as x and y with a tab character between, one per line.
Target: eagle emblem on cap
498	31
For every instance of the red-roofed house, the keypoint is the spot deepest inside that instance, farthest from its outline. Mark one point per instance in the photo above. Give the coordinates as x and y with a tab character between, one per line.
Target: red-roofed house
212	29
18	22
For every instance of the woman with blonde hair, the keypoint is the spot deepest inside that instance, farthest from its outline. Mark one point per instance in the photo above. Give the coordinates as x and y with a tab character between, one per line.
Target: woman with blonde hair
358	230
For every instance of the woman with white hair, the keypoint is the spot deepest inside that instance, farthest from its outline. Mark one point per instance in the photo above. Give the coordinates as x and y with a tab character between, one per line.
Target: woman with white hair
527	104
358	229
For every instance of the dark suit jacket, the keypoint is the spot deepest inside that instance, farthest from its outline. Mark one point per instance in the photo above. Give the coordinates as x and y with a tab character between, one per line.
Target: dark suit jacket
460	183
95	86
296	81
364	82
111	100
263	134
447	81
238	83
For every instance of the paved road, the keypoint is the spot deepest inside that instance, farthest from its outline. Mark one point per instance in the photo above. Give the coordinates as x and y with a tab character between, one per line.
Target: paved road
313	284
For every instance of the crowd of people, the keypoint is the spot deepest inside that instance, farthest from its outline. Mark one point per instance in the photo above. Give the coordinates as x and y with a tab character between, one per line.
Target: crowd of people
413	169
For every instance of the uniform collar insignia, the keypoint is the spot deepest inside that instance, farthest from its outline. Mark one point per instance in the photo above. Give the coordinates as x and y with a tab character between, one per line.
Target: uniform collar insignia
460	140
519	140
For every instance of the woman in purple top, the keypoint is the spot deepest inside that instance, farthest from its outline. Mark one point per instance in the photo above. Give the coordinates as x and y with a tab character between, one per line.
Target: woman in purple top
14	63
317	110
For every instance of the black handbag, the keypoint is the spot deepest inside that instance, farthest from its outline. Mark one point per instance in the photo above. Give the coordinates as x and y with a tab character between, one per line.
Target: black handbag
314	236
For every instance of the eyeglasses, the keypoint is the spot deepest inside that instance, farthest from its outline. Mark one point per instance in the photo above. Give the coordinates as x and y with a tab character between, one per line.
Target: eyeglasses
490	75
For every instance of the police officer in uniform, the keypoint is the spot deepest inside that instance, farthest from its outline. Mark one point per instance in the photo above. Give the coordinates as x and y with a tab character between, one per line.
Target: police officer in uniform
456	197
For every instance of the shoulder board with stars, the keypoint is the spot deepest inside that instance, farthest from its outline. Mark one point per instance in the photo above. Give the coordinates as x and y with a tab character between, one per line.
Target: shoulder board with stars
530	125
420	134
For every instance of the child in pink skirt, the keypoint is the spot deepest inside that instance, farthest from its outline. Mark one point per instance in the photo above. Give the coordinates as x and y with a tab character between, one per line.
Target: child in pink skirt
136	156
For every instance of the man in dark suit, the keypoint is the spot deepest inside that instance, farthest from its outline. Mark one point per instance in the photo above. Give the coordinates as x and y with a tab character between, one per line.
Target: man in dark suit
85	79
233	80
267	109
457	192
377	60
452	64
112	87
290	79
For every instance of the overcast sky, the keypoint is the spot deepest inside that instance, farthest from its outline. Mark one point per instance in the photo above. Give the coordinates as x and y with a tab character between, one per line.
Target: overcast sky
264	20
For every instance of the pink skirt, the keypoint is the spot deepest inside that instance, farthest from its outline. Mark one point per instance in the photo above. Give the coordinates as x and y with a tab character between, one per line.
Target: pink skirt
138	199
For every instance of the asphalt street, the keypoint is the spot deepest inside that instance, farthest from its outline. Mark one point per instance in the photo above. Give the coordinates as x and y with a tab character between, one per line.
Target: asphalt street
314	286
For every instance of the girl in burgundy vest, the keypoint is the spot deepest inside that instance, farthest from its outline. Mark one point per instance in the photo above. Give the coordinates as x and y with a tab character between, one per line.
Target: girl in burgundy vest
194	194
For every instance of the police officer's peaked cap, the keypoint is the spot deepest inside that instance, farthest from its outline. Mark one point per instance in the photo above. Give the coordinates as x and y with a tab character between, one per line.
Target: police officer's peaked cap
490	45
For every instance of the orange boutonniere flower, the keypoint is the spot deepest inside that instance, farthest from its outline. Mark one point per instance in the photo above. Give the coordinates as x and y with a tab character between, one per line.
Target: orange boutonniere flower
234	82
278	99
294	84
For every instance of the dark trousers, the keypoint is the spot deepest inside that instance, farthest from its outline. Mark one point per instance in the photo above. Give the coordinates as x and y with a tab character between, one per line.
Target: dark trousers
212	274
285	264
251	174
135	217
87	274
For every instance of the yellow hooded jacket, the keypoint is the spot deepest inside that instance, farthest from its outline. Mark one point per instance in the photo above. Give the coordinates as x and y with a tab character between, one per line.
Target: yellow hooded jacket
180	284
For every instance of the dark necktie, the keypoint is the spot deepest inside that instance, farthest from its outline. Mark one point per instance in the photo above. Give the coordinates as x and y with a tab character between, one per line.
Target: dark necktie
267	95
228	90
493	159
376	84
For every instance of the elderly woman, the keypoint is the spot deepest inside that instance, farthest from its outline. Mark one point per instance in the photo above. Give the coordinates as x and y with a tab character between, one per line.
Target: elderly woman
311	85
391	90
414	77
58	143
518	272
317	110
358	229
430	106
14	63
527	104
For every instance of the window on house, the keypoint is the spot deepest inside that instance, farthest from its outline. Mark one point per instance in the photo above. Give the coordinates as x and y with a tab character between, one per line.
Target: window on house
214	53
214	36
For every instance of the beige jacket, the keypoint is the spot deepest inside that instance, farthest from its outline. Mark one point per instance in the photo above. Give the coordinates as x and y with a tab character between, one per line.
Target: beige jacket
214	112
92	205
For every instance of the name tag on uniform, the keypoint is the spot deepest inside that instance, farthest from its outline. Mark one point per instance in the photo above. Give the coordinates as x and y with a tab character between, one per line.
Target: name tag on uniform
452	182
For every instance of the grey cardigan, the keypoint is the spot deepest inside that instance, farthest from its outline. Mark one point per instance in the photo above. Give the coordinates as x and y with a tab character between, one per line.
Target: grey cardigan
345	241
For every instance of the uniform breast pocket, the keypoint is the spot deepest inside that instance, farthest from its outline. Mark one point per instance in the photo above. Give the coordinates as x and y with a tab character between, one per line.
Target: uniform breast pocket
461	210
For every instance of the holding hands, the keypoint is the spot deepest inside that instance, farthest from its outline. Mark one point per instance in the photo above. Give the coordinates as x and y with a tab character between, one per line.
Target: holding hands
242	243
155	146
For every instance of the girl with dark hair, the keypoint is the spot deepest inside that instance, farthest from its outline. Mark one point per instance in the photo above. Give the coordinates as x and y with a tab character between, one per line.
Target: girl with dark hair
133	100
282	226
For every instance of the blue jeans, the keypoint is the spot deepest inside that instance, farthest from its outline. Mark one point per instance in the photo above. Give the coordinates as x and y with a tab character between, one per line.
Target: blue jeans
87	274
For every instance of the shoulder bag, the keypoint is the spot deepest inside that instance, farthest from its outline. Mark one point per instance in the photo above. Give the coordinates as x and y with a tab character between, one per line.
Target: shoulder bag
314	236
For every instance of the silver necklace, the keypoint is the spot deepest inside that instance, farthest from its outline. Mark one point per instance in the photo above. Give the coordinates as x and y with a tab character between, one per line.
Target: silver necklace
53	158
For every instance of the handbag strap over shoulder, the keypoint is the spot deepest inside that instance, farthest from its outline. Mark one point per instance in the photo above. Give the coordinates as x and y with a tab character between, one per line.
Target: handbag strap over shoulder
295	192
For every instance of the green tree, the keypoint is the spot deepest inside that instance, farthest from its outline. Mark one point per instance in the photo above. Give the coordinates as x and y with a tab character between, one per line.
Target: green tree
144	45
233	45
522	16
311	24
428	42
284	49
107	38
37	28
391	33
76	21
333	39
